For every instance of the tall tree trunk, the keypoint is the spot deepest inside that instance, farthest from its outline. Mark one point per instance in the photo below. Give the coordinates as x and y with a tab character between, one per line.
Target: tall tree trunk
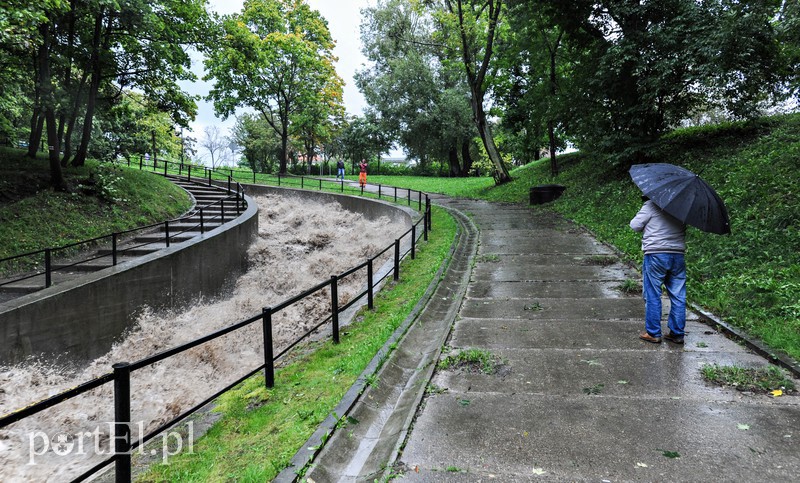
46	88
452	159
94	88
476	78
37	126
284	161
466	157
72	119
501	174
551	131
62	118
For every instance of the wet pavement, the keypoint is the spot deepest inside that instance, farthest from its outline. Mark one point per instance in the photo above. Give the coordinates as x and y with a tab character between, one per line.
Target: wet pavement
575	395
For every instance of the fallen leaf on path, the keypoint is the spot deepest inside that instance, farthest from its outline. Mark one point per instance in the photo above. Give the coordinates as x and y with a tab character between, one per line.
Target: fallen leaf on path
776	393
538	471
743	427
641	465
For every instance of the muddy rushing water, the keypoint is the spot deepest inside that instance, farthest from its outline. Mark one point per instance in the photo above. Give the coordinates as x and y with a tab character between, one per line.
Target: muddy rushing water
300	244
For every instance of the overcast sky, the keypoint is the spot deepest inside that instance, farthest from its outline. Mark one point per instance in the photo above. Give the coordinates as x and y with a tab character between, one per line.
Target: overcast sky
344	19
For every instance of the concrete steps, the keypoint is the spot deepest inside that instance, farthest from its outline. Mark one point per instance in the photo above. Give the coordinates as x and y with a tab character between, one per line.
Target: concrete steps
136	245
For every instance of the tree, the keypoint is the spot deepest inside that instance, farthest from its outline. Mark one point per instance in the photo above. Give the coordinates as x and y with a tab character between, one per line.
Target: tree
422	102
276	58
639	68
362	138
531	79
260	143
215	144
472	27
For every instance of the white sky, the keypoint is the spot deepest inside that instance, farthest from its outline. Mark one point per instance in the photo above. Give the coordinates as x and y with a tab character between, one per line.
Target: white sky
344	19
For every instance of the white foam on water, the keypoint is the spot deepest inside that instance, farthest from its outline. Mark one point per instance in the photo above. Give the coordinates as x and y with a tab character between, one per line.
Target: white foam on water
300	244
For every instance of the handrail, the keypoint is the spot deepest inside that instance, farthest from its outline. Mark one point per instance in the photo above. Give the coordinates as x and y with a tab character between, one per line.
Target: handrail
122	371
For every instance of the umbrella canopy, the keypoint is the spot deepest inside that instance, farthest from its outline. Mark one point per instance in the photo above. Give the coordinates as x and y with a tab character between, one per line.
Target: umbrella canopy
683	195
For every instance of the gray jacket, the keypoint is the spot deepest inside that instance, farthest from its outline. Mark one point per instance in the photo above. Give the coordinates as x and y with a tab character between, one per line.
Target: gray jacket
663	233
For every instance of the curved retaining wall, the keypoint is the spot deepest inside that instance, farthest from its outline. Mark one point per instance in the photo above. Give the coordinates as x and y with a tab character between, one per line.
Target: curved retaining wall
370	208
81	319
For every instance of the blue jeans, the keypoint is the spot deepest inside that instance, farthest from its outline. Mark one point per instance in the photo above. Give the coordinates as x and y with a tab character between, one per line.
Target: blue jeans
668	269
340	173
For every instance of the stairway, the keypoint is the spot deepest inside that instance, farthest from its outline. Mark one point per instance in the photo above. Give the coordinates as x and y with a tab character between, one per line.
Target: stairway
213	206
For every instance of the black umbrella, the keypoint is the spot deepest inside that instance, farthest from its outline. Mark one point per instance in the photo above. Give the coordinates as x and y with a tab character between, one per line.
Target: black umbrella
683	195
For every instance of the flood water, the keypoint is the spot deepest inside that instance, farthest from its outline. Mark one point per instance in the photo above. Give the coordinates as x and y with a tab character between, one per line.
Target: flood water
300	244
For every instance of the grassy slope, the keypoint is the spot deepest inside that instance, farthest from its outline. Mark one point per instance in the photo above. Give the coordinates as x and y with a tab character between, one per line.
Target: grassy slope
750	278
262	429
104	199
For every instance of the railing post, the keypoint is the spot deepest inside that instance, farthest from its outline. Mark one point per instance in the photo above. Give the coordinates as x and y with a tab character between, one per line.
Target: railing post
408	192
254	177
209	176
379	191
141	157
269	363
335	308
397	259
419	202
222	210
122	417
166	232
320	185
302	182
189	169
428	213
48	277
342	186
202	225
413	241
114	249
166	163
370	283
229	184
279	179
425	226
395	194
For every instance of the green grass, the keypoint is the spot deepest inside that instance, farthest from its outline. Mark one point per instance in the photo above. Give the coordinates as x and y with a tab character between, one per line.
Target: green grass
472	360
762	379
261	429
750	278
103	199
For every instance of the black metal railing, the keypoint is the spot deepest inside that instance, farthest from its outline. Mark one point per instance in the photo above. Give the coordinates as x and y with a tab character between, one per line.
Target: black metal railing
122	446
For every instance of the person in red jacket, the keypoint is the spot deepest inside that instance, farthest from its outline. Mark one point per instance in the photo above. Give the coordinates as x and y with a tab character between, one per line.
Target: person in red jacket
362	175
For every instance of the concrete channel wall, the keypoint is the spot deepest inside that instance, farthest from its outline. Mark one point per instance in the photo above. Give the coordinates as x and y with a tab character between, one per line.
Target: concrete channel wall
370	208
82	318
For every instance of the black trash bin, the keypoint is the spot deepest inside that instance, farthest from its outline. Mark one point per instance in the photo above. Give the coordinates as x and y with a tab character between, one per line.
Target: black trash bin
546	193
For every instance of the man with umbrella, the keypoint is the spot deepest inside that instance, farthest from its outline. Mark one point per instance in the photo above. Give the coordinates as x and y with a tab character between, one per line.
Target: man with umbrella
664	244
674	197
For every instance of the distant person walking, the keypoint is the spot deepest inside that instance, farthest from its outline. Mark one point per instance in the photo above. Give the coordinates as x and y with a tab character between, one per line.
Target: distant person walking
340	169
362	175
664	245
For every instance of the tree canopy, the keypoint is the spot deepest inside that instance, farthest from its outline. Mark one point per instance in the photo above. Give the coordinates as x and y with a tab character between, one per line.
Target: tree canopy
276	58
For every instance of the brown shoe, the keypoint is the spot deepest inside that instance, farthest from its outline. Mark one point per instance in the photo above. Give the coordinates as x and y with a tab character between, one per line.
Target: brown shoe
649	338
675	339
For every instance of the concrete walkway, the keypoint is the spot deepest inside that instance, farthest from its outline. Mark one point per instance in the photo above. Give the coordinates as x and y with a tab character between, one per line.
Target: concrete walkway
577	396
